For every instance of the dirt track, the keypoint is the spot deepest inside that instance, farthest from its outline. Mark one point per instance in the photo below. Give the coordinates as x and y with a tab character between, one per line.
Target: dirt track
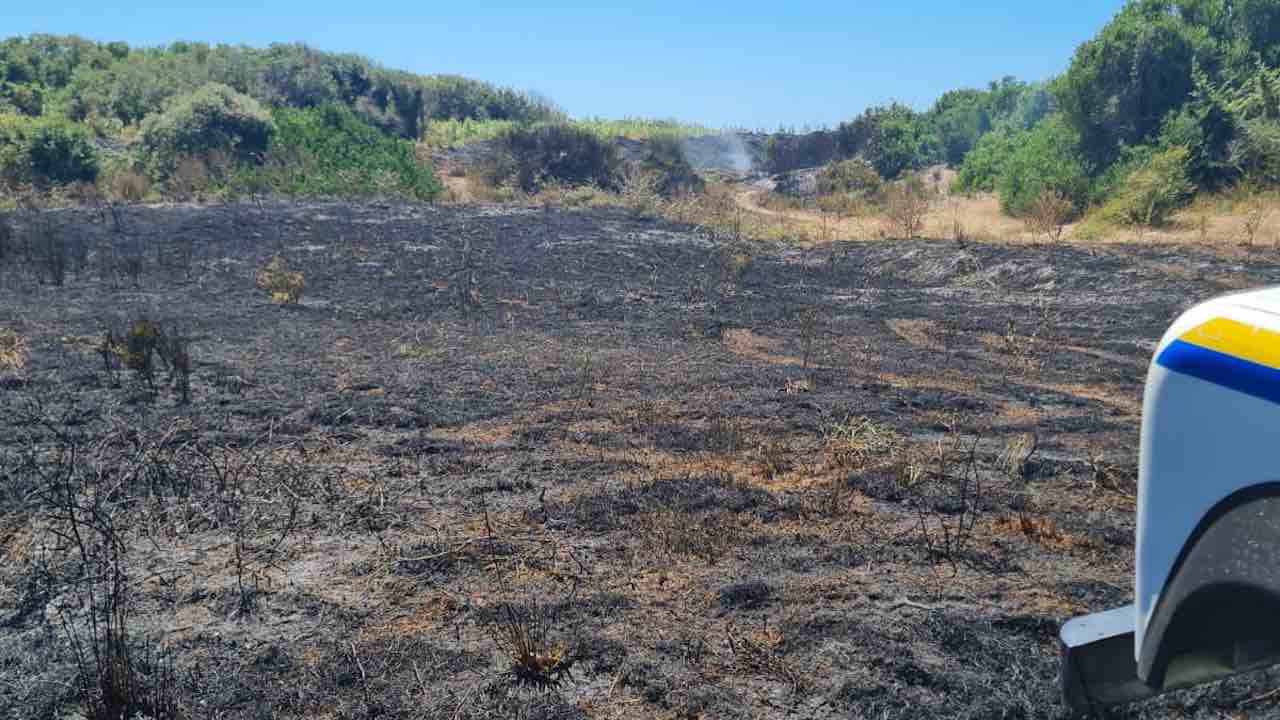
860	480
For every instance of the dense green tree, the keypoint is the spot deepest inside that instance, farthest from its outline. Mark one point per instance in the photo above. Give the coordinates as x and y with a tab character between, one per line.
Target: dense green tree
960	117
901	139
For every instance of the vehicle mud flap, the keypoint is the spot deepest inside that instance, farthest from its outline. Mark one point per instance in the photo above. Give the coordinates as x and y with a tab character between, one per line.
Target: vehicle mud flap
1098	669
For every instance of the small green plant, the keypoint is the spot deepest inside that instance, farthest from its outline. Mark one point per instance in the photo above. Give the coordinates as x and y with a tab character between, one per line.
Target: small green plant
142	348
735	261
284	286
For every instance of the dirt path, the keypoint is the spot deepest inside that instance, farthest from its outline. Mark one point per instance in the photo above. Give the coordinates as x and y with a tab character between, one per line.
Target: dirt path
827	228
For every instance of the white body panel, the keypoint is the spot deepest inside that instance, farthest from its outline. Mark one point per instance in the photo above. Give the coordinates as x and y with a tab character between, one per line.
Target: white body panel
1201	442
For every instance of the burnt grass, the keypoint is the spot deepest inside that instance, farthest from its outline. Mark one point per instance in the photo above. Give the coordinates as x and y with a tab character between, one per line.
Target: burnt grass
629	429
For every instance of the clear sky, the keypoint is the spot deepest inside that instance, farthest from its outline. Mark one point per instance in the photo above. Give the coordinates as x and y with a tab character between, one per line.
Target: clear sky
742	64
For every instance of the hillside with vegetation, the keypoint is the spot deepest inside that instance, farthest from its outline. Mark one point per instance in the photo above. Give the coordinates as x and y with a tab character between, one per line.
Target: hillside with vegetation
1170	98
73	110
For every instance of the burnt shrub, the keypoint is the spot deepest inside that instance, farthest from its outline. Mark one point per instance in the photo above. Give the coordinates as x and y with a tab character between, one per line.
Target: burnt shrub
672	173
555	152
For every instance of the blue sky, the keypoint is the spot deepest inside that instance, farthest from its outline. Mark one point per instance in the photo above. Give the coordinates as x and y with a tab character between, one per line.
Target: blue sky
742	64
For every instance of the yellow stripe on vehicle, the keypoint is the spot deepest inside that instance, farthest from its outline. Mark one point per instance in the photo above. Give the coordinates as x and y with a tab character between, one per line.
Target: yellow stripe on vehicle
1237	339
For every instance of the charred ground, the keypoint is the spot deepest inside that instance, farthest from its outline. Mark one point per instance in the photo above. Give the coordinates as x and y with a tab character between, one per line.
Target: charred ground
658	471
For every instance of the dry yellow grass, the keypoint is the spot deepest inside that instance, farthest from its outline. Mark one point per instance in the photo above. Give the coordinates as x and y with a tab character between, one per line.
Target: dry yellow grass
915	331
1038	529
13	350
285	286
1232	219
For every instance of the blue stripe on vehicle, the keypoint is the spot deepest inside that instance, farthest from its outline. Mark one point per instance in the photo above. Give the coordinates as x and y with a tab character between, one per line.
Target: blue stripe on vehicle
1222	369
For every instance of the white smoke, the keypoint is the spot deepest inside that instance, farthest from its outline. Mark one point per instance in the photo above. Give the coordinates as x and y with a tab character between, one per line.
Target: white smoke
726	151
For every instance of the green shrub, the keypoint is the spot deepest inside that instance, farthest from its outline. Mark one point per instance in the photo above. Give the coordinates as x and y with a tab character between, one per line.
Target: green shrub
1255	152
13	131
1044	158
900	139
786	152
214	118
544	152
892	137
855	177
983	164
329	151
1151	190
45	150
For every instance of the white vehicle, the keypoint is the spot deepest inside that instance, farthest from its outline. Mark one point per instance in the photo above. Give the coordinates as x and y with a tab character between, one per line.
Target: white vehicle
1207	576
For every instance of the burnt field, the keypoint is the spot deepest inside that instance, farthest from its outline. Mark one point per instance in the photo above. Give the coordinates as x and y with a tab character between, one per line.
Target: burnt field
522	462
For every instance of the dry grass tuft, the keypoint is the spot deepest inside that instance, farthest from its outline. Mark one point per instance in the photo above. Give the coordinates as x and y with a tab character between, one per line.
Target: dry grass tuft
1015	459
285	286
854	441
771	459
126	186
761	652
13	350
535	661
1049	215
1038	529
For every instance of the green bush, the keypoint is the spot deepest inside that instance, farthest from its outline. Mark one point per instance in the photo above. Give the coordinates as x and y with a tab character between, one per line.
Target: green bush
1044	158
45	150
214	118
983	164
1255	152
786	152
1151	190
556	152
329	151
60	151
855	177
900	140
13	133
